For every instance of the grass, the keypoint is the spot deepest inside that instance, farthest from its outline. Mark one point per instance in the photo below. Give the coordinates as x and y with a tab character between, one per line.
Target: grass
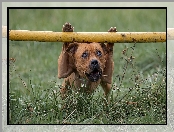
138	93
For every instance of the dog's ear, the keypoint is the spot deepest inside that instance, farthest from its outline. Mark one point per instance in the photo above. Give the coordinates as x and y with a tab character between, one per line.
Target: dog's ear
72	48
104	47
66	64
109	65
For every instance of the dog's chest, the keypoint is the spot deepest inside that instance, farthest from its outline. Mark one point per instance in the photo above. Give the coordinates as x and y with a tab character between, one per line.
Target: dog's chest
83	82
86	84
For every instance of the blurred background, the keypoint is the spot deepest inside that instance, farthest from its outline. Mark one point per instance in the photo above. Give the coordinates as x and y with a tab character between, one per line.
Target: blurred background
34	64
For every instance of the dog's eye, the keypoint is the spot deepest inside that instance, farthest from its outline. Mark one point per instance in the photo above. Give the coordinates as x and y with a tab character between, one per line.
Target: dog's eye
99	53
85	54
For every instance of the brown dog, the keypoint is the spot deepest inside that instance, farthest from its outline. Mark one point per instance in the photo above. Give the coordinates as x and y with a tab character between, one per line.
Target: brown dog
86	65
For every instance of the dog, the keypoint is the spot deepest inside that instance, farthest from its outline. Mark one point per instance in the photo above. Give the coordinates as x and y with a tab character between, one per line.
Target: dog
85	65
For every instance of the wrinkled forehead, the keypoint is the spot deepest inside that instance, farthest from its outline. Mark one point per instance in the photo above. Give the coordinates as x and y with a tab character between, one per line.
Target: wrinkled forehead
89	46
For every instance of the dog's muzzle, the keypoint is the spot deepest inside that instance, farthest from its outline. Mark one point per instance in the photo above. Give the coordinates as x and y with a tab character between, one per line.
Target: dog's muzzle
95	71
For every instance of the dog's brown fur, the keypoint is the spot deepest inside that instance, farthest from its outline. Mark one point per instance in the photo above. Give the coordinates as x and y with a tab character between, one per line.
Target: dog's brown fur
86	65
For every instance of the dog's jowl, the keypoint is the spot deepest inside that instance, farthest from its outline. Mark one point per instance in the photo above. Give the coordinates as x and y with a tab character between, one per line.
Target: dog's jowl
86	64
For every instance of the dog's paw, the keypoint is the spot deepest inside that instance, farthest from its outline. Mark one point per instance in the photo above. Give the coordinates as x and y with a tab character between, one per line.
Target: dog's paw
67	27
112	29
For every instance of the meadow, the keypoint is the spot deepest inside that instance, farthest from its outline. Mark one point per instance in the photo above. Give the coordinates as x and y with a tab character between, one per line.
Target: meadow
138	93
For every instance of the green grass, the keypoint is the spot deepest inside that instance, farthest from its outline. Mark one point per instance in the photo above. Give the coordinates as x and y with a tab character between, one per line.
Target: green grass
138	93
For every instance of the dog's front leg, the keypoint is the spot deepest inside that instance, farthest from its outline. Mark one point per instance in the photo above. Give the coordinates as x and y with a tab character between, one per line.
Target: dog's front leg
65	62
106	80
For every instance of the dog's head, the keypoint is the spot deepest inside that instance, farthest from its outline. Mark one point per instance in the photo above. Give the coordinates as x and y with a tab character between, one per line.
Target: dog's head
89	59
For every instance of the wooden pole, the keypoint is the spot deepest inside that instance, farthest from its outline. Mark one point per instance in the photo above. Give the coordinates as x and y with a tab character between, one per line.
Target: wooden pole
114	37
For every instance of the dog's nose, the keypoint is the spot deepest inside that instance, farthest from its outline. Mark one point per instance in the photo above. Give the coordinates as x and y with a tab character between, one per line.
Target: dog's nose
94	63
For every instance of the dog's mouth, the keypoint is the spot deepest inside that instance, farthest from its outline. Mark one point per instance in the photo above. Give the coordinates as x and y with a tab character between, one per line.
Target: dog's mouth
94	75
